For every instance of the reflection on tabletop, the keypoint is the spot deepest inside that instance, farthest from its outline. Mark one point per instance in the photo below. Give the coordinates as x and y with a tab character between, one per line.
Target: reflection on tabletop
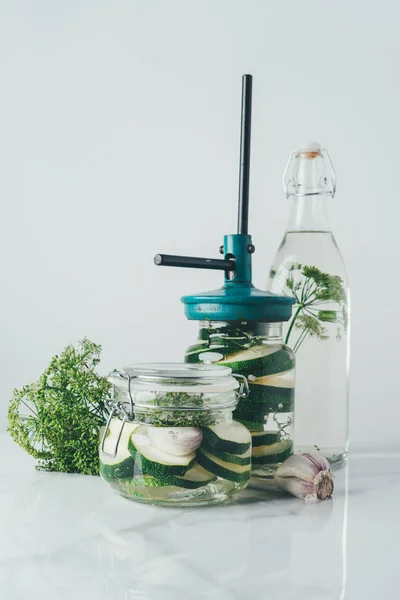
265	545
66	536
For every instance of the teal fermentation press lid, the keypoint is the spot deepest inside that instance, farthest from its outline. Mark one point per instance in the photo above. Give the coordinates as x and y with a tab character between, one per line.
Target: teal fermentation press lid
237	299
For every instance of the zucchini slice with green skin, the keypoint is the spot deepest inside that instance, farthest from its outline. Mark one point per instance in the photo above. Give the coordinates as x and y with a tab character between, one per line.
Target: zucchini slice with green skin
194	478
152	461
259	361
161	470
122	466
226	437
253	416
272	454
235	459
250	425
264	438
257	412
269	393
148	481
121	470
275	392
270	405
194	353
225	470
198	474
138	488
280	380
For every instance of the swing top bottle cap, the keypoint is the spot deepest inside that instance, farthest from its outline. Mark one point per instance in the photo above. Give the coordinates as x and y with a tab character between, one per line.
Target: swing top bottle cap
309	147
309	172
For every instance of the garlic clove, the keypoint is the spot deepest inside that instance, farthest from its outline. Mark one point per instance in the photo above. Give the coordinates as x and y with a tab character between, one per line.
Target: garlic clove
303	466
306	476
324	485
299	488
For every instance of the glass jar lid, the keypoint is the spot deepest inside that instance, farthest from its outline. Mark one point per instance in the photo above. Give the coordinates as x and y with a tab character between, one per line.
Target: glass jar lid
175	377
176	371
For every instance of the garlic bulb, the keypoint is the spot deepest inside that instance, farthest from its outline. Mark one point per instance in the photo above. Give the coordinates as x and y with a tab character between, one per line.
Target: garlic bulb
306	476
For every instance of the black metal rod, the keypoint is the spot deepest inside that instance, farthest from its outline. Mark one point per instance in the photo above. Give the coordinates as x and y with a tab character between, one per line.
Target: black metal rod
245	139
193	262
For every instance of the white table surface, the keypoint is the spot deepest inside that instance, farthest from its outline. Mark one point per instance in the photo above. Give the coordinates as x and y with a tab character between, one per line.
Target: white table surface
70	537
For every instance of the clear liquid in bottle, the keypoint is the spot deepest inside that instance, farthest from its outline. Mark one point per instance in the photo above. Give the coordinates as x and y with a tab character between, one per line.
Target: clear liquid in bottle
309	267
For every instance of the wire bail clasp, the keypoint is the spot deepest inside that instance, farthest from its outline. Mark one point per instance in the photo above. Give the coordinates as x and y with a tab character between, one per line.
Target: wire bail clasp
118	409
244	390
331	180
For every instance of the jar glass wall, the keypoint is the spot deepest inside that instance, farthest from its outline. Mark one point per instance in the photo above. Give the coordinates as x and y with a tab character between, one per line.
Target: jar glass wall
256	351
171	438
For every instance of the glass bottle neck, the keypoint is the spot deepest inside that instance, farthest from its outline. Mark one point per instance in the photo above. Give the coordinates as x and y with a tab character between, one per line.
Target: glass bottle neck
309	180
309	213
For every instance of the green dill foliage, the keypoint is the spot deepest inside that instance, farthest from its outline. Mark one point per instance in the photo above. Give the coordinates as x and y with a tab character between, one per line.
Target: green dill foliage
315	292
58	418
178	409
178	399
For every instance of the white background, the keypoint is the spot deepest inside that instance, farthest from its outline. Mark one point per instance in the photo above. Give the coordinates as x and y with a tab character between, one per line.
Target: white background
119	138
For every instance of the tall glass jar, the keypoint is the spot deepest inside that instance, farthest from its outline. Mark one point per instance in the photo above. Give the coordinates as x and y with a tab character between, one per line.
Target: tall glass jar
171	438
256	351
309	267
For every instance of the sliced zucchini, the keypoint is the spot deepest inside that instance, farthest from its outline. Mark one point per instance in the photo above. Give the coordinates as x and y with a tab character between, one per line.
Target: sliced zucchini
264	438
253	416
226	437
259	361
251	425
138	488
116	470
266	402
235	459
122	465
262	392
152	461
257	412
276	393
194	478
147	481
228	471
198	474
272	454
162	470
281	380
194	352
